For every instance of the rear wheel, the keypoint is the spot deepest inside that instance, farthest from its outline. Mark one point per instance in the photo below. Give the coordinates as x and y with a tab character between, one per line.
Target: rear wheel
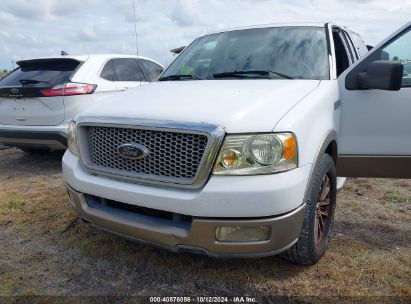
319	216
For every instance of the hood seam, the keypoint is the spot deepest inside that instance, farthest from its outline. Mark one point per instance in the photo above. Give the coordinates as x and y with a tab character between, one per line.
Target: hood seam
278	121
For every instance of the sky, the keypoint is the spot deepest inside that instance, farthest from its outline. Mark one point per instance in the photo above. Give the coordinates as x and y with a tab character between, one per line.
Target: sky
36	28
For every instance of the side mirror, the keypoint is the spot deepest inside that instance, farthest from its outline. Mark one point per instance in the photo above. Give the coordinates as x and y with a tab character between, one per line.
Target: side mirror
369	47
382	75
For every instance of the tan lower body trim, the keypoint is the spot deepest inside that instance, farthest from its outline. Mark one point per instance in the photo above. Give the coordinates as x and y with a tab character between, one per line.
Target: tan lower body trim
374	166
197	236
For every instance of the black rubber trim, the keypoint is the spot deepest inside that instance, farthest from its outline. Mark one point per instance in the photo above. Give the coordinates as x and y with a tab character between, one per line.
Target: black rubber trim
60	137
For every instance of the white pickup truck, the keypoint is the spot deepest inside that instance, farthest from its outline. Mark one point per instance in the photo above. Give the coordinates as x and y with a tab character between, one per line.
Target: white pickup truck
236	149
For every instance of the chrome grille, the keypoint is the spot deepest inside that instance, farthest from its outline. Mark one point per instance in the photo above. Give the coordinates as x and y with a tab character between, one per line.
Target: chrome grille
173	156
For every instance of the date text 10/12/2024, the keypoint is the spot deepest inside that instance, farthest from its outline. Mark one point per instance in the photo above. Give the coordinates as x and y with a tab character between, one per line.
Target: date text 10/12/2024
203	299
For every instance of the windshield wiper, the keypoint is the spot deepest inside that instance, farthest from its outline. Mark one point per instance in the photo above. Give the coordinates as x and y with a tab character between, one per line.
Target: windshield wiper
180	77
242	73
31	81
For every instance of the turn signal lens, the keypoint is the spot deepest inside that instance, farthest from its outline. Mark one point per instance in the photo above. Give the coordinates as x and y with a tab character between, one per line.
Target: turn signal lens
230	159
290	148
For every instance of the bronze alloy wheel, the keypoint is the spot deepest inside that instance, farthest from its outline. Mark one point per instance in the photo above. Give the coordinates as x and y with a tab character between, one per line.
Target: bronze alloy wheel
319	216
322	210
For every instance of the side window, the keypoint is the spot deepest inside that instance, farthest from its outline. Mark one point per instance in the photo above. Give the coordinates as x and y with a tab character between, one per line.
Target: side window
127	69
400	50
108	71
151	69
350	44
341	56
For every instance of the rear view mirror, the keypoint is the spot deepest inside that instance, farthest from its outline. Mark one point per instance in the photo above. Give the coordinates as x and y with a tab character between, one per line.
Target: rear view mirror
382	75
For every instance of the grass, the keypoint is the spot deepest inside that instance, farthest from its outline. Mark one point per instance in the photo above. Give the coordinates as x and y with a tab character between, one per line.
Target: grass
10	284
398	196
45	250
13	201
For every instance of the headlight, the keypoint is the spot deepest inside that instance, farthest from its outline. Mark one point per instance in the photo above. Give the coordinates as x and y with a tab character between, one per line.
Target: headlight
257	154
266	149
72	138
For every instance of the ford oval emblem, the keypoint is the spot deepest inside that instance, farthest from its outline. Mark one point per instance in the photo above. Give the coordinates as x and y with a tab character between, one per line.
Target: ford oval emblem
132	151
14	91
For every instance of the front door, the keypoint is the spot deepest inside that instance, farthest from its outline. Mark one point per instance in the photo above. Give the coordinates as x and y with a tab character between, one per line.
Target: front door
375	131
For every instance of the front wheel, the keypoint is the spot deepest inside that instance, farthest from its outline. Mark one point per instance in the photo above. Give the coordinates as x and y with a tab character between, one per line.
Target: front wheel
319	216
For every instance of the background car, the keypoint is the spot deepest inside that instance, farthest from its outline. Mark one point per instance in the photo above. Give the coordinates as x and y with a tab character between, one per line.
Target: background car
41	96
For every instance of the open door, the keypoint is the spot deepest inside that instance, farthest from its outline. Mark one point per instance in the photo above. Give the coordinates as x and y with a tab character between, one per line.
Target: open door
375	130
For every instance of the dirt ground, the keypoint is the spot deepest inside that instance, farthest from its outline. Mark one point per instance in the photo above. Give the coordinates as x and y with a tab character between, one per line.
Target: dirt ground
46	251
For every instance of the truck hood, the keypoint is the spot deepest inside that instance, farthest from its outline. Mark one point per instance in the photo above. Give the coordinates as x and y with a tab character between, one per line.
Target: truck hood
236	105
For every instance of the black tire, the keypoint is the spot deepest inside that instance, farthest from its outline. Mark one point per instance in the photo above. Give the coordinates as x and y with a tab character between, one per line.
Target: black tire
319	215
35	151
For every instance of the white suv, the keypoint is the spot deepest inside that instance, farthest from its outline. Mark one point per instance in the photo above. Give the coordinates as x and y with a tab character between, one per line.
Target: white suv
236	149
41	96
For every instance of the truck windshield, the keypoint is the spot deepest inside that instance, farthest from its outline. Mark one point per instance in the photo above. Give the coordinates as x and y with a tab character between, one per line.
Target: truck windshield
274	53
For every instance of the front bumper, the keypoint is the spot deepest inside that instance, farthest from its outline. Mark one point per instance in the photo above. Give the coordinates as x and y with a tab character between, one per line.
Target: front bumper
222	196
52	137
198	235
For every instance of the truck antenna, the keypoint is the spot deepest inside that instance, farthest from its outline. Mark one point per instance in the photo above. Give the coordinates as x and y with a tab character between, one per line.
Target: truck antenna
135	32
